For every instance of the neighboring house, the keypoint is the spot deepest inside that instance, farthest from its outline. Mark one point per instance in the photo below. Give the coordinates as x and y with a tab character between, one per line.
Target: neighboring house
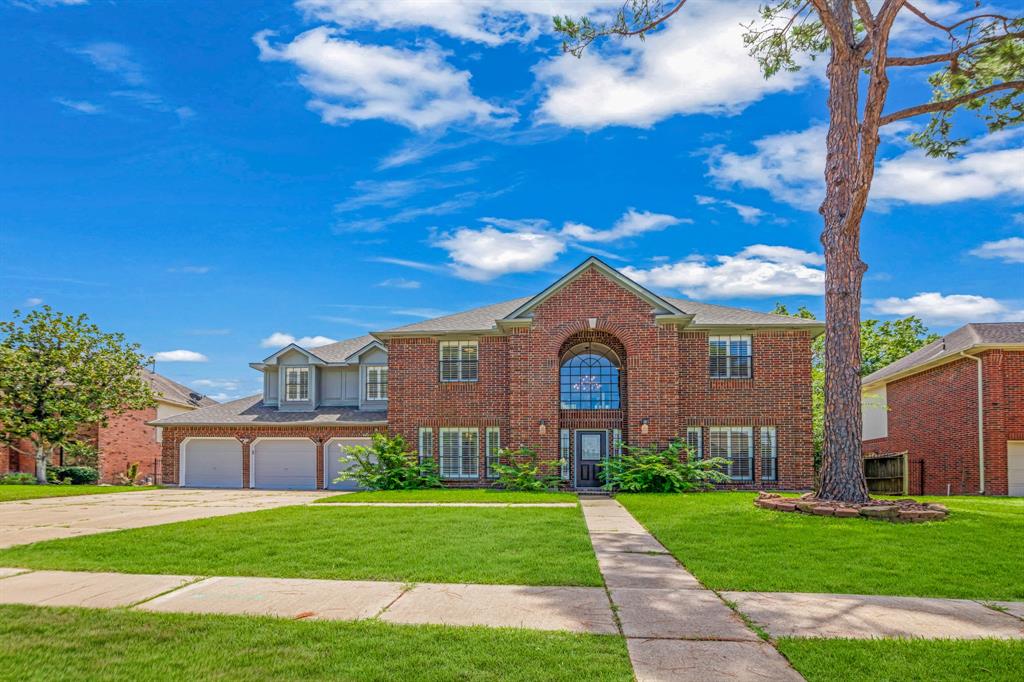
127	438
927	405
592	361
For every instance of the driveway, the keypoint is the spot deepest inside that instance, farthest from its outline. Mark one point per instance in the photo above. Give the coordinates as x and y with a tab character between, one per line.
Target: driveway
28	521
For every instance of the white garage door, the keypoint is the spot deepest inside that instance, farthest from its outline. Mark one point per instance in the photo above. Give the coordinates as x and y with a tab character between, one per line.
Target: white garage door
1015	467
332	452
211	463
286	464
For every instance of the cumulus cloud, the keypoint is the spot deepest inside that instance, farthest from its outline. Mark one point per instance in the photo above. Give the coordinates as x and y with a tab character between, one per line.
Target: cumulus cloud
1009	250
279	339
697	64
938	308
791	166
631	224
352	81
758	271
179	355
748	214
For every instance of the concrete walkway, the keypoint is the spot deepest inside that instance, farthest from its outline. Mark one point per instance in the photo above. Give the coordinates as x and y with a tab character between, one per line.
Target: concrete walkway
675	629
49	518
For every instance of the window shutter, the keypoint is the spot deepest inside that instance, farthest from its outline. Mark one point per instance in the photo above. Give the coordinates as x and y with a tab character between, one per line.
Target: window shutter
493	449
426	445
769	454
563	453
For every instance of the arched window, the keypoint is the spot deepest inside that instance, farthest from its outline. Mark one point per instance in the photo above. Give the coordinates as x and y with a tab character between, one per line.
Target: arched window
589	378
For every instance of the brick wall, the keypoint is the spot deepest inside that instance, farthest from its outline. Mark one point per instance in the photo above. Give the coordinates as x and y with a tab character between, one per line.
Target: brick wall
125	440
933	416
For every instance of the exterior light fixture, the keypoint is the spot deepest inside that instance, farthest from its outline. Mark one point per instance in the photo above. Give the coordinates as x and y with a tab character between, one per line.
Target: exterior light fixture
543	428
645	425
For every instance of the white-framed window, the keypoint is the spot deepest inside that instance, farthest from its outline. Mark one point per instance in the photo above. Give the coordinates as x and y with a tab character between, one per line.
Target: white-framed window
695	440
617	442
426	444
296	383
563	452
769	454
376	383
730	357
736	444
459	453
493	456
458	360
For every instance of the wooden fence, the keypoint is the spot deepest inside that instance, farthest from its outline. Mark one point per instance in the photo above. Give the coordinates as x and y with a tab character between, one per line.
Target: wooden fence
887	473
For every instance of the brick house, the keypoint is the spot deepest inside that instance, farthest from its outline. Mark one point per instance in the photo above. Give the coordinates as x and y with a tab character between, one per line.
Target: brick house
592	361
927	405
127	438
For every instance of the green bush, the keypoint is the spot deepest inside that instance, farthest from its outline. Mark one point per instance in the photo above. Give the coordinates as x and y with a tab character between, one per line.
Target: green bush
523	472
17	479
672	470
76	475
81	453
388	465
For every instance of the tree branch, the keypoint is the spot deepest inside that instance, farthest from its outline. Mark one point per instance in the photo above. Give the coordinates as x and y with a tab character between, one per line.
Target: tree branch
653	24
949	29
948	104
924	60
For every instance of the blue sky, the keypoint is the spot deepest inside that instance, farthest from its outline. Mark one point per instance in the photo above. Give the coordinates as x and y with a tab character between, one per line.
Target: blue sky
215	178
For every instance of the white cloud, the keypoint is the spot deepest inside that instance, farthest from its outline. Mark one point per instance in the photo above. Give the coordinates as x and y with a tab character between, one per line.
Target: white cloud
697	64
489	252
1009	250
225	384
399	283
937	308
748	214
631	224
191	269
352	81
757	271
791	167
79	105
33	302
179	355
115	58
279	339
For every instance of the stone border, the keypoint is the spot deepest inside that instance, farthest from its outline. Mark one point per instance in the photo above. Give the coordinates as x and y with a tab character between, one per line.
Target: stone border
896	511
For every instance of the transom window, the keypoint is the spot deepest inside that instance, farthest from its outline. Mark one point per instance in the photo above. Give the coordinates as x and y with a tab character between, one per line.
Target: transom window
376	383
459	361
589	378
296	383
730	357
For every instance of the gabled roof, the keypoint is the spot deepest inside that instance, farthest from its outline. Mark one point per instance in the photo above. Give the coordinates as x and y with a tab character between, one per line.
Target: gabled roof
251	411
348	350
313	359
974	336
171	391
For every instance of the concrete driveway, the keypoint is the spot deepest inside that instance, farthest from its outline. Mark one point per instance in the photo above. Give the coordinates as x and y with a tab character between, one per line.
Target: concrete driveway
26	521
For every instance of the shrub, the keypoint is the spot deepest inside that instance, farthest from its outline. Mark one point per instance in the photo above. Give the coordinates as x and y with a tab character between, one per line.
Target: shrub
17	479
672	470
81	453
76	475
388	465
523	472
130	475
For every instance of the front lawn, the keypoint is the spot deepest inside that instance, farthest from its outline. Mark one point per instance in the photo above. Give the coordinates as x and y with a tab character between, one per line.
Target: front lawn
450	495
9	493
80	644
730	544
520	546
899	660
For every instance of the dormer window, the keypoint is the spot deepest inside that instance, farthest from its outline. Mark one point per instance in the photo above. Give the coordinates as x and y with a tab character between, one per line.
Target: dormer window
458	361
296	384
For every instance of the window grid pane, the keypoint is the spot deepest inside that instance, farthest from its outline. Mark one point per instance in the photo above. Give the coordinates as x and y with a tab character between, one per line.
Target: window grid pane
769	454
426	445
493	451
296	383
589	379
376	383
458	361
730	357
734	443
694	439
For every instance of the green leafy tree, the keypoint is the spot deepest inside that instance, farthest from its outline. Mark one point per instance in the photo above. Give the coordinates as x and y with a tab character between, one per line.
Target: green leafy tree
59	373
980	69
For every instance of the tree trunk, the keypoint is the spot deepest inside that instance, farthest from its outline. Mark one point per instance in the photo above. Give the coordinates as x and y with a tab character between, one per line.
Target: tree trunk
40	465
842	475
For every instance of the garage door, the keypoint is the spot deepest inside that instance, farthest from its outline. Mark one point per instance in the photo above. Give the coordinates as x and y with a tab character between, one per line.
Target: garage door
286	464
1015	467
332	452
211	463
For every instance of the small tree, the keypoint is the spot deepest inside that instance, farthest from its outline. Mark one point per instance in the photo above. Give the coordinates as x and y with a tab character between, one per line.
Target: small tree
387	464
59	373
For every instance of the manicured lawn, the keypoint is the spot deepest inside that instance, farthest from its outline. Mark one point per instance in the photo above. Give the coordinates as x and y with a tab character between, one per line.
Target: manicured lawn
79	644
731	545
10	493
900	660
445	495
524	546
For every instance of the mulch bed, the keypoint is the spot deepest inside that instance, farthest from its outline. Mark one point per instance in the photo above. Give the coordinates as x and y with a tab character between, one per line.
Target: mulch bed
897	511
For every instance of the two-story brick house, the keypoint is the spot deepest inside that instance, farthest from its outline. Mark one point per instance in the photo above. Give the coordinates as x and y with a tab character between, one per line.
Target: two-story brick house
593	361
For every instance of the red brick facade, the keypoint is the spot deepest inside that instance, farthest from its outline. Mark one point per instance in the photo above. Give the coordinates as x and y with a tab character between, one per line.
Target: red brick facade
933	416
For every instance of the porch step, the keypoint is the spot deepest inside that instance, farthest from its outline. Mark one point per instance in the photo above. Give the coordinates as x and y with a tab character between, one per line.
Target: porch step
592	492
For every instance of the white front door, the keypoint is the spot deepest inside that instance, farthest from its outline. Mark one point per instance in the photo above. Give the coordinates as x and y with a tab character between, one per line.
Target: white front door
284	464
332	452
1015	467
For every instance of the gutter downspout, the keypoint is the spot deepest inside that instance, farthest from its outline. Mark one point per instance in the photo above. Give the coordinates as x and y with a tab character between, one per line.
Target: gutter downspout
981	423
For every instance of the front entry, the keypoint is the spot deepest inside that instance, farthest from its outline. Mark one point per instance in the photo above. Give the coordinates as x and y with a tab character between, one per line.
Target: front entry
591	450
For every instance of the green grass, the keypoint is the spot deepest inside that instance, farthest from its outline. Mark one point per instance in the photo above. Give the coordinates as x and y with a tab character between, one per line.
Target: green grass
10	493
731	545
902	660
520	546
78	644
448	495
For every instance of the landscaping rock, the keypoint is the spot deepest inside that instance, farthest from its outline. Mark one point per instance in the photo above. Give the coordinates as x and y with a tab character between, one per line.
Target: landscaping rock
880	511
934	506
806	506
847	512
822	510
785	506
897	511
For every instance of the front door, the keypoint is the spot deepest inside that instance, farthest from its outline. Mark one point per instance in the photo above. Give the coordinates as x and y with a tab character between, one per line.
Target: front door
591	450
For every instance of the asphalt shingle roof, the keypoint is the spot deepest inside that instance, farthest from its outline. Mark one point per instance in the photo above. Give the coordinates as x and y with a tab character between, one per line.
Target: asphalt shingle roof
962	339
174	392
338	352
251	411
